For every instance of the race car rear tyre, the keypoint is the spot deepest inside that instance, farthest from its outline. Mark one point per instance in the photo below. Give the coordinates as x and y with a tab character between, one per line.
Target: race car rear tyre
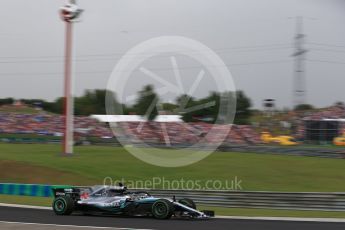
162	209
63	205
188	202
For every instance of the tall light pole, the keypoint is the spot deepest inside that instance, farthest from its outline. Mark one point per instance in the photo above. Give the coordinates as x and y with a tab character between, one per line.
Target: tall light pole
69	14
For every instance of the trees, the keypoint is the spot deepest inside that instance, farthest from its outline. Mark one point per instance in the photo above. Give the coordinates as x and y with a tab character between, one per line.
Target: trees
6	101
146	104
92	102
192	109
185	101
303	107
243	111
207	109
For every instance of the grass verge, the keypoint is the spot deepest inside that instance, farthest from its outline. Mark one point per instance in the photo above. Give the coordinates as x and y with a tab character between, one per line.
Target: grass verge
35	163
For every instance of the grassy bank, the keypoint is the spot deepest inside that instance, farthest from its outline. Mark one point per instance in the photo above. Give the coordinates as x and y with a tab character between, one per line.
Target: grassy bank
34	163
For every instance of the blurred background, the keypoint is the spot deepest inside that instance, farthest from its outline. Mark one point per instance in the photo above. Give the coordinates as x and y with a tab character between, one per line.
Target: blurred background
286	58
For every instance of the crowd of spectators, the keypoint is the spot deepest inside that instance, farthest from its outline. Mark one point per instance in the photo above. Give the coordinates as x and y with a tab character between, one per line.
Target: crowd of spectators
157	132
333	112
48	124
189	133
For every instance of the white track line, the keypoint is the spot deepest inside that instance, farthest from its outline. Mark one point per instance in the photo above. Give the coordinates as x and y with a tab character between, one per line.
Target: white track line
300	219
70	226
295	219
24	206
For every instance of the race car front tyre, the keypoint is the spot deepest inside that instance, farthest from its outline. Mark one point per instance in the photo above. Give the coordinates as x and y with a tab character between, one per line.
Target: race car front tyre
162	209
188	202
63	205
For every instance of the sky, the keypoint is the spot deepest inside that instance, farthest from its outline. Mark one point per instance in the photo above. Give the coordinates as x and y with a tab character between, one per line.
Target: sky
255	40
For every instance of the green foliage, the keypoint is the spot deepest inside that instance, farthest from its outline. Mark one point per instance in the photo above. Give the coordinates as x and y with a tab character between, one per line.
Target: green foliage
303	107
185	101
169	107
243	111
207	109
53	107
92	102
6	101
146	104
204	109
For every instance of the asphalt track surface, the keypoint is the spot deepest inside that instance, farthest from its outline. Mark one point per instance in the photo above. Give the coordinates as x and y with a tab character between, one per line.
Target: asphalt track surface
12	214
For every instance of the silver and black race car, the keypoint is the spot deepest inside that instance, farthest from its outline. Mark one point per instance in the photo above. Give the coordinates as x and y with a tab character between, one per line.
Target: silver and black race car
117	200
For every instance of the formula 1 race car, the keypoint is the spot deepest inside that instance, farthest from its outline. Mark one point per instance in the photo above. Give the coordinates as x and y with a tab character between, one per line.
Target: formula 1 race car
117	200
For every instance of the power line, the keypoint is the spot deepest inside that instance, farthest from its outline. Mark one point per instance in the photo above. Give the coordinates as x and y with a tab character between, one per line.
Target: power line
113	59
153	69
120	54
328	45
326	61
168	69
110	57
90	60
329	50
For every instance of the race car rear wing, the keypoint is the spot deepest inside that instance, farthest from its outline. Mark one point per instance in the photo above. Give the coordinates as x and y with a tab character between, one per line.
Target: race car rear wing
73	192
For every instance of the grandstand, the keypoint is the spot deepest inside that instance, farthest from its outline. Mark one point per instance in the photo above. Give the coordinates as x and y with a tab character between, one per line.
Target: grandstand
175	132
314	126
